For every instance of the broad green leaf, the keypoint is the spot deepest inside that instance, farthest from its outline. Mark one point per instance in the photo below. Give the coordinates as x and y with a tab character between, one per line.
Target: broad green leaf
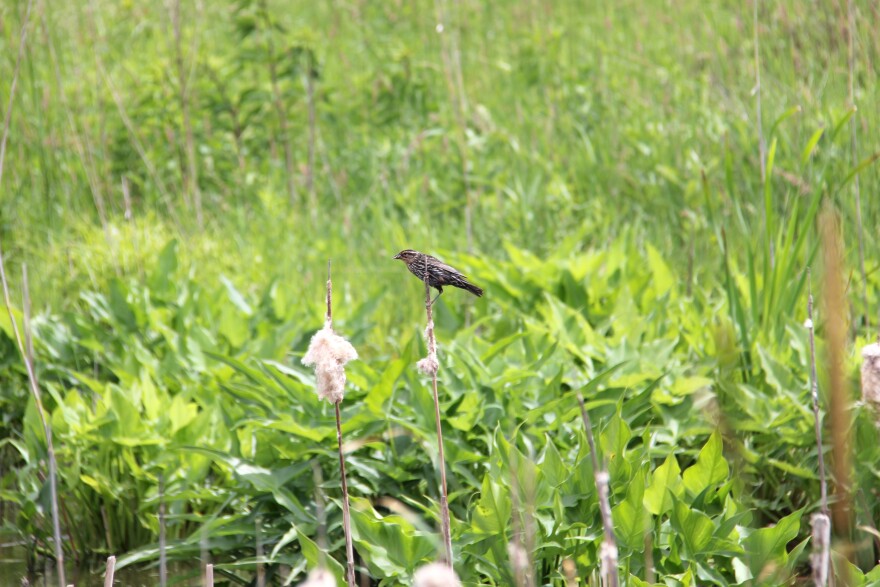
553	468
665	483
767	546
631	519
695	529
316	558
181	412
711	468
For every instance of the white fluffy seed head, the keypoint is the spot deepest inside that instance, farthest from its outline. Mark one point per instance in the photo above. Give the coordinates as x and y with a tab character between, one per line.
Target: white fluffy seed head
871	375
328	353
436	575
319	578
429	365
519	558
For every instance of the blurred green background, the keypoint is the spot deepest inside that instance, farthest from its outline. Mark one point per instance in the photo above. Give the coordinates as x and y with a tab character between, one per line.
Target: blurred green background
178	174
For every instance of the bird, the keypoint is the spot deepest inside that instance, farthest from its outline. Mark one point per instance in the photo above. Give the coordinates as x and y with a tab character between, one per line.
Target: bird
439	273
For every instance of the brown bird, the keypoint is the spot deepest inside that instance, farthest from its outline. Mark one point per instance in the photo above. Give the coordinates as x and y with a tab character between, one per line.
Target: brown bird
439	274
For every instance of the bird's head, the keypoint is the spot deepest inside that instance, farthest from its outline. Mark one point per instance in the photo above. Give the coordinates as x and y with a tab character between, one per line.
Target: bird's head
407	255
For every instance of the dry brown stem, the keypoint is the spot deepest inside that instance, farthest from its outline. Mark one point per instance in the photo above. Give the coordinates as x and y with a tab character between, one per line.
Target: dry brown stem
431	365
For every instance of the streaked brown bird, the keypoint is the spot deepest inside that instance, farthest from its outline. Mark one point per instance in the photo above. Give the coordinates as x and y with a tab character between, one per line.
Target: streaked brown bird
439	274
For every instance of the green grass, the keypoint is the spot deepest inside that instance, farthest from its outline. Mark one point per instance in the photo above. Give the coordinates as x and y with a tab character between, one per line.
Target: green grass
611	152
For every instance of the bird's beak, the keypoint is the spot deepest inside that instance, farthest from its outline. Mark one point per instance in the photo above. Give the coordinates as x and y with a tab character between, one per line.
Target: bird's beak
397	256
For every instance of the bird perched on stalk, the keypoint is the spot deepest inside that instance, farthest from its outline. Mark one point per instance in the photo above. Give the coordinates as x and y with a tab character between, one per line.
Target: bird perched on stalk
439	274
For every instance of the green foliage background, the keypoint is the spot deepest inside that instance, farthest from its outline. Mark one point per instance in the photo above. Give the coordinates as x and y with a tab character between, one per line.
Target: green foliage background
608	154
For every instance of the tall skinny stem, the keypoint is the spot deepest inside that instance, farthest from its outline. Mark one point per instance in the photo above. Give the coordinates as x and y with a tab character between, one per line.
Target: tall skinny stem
346	512
814	391
432	354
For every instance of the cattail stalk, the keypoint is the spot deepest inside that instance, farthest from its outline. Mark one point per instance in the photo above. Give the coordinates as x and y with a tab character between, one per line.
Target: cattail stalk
204	553
346	511
522	544
430	365
435	575
111	570
814	392
329	352
608	550
820	559
569	571
835	308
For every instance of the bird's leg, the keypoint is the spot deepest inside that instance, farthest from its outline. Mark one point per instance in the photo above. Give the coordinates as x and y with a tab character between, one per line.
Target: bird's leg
439	291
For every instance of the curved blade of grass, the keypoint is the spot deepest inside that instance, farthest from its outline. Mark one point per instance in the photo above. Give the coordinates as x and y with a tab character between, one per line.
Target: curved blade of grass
796	109
811	146
842	122
863	164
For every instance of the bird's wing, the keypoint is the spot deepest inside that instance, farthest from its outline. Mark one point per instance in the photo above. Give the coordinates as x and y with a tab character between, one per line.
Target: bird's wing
453	270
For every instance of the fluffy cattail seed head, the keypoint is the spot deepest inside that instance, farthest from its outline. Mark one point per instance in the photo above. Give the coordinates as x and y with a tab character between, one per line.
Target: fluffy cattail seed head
820	559
319	578
328	353
871	375
519	558
436	575
429	365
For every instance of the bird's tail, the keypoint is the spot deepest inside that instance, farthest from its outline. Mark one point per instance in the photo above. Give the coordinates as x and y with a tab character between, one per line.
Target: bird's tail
477	291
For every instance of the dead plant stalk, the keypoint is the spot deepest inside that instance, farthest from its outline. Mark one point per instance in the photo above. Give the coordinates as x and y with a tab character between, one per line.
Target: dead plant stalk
431	365
328	353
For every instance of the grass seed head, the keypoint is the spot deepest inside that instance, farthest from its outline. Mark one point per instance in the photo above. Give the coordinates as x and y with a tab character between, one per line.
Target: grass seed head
328	353
436	575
